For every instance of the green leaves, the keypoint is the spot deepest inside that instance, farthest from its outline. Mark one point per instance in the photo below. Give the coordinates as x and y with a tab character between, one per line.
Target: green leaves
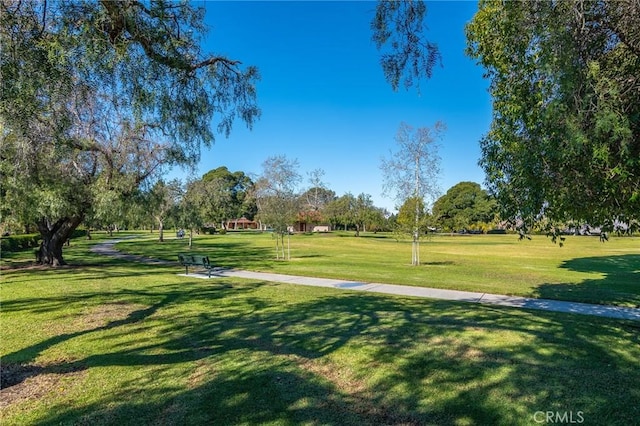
103	94
398	31
463	206
565	136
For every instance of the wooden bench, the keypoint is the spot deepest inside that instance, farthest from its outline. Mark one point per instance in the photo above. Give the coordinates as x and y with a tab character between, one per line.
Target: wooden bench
195	260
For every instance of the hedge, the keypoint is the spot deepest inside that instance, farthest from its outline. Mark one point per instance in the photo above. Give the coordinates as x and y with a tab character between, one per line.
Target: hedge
496	231
19	242
25	241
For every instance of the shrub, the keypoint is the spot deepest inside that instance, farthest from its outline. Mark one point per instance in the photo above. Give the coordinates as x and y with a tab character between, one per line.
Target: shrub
497	231
13	243
19	242
79	233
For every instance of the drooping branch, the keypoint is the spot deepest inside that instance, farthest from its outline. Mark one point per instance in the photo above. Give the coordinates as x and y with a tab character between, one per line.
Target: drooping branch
409	55
91	115
121	23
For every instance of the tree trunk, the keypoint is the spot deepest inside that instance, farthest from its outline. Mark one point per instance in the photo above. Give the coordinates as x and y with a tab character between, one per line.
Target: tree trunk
415	249
54	235
282	245
416	230
160	231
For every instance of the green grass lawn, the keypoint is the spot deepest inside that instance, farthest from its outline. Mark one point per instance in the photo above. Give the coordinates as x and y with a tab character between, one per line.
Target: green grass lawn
583	270
113	342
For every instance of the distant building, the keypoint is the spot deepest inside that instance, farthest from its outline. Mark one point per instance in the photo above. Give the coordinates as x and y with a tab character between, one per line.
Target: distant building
301	226
242	223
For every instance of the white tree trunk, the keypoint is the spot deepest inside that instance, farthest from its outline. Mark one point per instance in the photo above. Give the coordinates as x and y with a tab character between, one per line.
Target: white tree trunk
416	230
282	246
415	250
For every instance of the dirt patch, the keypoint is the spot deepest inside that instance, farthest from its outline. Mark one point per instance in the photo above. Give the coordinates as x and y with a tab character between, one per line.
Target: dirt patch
342	378
99	316
96	317
21	382
357	397
24	265
200	374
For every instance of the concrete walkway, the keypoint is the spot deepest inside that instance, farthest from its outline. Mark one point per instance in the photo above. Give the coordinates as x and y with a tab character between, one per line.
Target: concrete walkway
108	248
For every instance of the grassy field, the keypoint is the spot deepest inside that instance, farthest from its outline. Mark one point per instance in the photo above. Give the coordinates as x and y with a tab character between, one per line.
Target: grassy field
583	270
112	342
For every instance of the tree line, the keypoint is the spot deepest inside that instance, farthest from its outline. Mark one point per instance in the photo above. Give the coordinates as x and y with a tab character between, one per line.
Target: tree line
280	200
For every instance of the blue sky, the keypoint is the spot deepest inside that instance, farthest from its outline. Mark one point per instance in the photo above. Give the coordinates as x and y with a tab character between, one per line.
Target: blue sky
324	98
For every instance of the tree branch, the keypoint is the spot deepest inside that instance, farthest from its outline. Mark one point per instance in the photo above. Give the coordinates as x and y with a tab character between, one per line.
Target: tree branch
121	23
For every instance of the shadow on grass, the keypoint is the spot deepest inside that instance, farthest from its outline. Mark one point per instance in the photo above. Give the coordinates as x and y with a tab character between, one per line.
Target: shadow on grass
84	264
377	236
363	235
441	263
347	358
619	284
227	254
101	268
160	299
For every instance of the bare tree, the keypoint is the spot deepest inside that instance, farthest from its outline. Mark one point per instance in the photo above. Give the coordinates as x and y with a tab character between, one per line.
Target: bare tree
277	198
314	200
317	196
412	171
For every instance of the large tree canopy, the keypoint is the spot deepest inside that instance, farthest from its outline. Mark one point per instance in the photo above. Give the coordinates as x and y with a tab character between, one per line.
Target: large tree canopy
564	143
96	96
465	204
234	199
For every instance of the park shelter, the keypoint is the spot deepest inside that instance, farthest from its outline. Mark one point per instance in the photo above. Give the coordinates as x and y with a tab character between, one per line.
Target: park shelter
242	223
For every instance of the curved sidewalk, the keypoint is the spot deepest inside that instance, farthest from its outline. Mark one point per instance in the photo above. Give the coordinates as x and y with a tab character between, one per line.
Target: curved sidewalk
434	293
108	248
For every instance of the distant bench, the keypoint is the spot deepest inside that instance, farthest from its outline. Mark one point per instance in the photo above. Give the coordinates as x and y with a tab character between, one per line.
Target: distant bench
187	260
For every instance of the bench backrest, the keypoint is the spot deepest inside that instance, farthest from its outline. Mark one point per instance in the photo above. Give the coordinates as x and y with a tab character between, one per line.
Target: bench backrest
193	259
200	260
